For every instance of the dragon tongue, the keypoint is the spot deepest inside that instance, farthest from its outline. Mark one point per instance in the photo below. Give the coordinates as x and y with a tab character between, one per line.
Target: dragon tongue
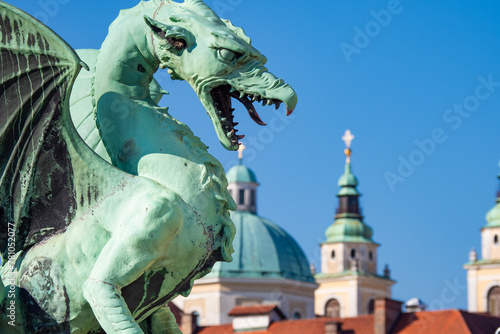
250	108
254	116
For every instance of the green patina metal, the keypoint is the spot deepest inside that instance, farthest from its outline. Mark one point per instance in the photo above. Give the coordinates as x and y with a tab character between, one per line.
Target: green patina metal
93	244
348	225
493	216
348	183
242	174
263	250
349	230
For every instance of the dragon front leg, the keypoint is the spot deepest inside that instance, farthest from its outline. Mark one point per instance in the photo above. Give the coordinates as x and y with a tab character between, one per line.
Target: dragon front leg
110	308
161	322
129	253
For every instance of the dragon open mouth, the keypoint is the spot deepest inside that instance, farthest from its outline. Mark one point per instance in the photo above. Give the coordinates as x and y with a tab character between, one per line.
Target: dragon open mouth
221	97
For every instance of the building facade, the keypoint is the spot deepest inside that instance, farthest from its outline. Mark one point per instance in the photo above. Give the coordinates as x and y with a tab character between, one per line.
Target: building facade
483	275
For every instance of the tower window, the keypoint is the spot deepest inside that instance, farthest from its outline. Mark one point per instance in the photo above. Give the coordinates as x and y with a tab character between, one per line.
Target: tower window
371	307
353	253
332	308
333	255
370	255
495	239
494	301
297	315
241	199
252	197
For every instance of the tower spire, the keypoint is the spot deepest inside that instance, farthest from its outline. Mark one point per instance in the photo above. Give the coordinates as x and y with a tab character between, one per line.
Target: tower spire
348	193
348	223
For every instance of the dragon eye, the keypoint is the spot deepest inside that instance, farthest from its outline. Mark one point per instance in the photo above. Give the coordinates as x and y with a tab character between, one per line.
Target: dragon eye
229	55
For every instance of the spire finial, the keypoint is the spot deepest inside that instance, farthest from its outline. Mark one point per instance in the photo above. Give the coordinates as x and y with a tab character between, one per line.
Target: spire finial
347	138
240	152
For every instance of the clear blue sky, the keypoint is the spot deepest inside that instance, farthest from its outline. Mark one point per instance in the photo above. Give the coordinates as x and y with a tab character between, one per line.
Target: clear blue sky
430	71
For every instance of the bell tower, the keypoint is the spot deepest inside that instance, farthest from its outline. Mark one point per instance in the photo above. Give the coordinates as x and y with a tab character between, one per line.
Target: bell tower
483	275
244	191
348	282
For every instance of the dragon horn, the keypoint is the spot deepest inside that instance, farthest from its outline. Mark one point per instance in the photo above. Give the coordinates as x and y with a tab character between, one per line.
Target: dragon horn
197	4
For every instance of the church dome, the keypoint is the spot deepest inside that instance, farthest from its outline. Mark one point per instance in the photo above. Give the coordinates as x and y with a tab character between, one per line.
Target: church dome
493	216
240	173
263	250
349	229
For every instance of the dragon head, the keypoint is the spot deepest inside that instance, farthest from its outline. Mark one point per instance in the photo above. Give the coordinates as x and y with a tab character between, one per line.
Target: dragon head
218	61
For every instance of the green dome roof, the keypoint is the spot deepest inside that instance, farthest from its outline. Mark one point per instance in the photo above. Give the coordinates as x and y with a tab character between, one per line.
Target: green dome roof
240	173
493	216
348	225
347	229
348	182
263	250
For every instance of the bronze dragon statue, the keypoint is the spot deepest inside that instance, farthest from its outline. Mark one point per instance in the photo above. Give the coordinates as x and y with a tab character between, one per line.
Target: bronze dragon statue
112	209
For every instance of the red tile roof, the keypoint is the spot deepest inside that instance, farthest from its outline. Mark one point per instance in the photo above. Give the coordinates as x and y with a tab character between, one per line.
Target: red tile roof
249	310
426	322
358	325
447	321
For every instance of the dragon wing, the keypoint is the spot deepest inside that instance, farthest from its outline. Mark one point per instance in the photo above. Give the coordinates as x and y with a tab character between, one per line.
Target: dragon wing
37	71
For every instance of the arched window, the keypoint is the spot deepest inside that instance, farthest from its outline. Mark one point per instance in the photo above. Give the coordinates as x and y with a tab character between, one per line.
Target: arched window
494	301
353	253
333	254
332	308
197	317
370	255
371	307
495	239
297	315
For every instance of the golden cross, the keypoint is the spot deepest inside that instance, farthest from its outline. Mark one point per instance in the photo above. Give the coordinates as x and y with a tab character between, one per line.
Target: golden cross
240	151
347	138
